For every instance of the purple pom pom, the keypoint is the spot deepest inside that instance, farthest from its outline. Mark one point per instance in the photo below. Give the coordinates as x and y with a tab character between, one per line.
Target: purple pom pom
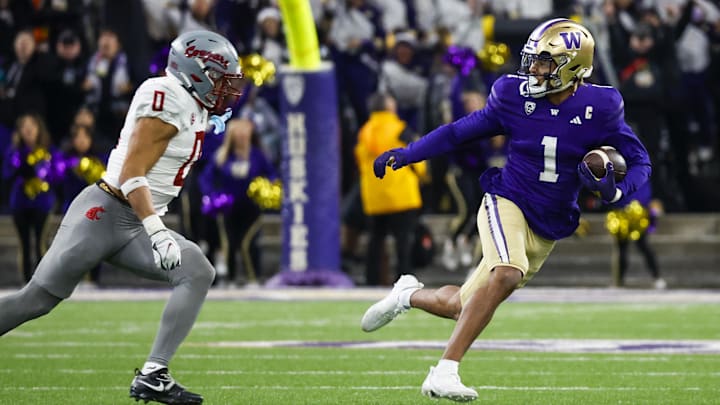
462	58
215	203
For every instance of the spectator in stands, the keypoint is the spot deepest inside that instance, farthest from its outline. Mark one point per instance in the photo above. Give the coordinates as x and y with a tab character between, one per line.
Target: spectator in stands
76	166
67	93
693	52
639	66
523	9
14	16
109	88
634	218
166	19
26	79
50	18
403	76
642	50
224	183
459	18
5	142
267	124
357	39
85	117
269	42
27	167
392	205
236	19
394	14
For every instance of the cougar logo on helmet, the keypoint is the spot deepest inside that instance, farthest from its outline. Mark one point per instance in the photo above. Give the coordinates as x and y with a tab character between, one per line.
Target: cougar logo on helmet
192	52
564	45
206	64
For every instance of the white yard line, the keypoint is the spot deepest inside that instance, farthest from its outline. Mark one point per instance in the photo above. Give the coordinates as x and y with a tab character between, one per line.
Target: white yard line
423	372
528	294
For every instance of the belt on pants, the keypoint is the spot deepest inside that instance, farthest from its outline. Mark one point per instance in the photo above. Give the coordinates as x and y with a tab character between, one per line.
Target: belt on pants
106	188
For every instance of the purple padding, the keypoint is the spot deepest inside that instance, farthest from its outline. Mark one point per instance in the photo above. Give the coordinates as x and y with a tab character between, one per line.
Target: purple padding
311	180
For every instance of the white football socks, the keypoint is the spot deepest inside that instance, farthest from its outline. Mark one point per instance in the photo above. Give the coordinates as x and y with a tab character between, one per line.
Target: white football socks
151	367
404	297
445	366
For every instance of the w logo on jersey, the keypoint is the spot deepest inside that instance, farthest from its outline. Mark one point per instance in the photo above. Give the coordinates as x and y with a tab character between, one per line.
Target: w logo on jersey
571	39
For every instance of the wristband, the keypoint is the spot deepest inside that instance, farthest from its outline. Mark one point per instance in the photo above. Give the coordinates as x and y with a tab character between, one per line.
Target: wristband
133	183
153	224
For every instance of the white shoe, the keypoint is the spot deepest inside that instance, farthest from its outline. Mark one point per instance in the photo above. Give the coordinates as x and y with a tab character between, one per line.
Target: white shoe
660	284
449	256
465	251
388	308
449	386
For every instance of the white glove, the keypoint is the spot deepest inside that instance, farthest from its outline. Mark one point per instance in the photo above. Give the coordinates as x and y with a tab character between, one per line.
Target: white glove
166	250
219	121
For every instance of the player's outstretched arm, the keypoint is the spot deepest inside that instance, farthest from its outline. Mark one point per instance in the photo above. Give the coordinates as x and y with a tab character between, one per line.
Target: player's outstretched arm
147	144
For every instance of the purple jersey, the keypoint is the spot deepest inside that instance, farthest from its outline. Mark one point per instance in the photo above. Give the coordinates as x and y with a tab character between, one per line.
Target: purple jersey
546	143
643	195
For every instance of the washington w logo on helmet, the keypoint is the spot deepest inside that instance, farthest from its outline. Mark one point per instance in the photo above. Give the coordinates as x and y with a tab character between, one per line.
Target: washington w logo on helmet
571	39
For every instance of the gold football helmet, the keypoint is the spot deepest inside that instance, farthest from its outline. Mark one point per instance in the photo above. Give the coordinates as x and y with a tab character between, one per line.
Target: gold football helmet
566	43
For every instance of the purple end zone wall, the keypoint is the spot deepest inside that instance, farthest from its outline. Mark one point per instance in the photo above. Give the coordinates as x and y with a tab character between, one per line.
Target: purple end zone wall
311	180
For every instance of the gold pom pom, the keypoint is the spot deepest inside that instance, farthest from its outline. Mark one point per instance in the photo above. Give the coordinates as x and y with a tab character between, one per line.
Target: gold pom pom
583	228
91	169
265	193
493	55
630	222
35	186
37	155
257	69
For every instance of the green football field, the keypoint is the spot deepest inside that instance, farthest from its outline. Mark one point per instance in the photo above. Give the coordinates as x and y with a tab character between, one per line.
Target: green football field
313	352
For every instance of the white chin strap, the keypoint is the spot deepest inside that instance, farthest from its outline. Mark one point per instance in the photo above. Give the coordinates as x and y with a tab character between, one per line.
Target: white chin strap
536	90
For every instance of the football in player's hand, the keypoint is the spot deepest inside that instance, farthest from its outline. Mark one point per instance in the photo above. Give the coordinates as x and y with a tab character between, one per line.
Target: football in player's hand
596	160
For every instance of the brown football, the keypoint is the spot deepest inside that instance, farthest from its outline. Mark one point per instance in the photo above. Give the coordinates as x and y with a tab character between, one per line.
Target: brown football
597	158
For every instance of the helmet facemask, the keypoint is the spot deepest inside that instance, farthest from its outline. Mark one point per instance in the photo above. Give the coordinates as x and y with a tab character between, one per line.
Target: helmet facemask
226	92
552	83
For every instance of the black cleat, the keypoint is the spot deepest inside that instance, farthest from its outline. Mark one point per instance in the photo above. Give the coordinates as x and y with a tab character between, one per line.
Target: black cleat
159	386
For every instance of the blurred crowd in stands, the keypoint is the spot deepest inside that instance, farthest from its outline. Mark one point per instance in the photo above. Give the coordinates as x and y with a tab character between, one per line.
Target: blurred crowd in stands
68	69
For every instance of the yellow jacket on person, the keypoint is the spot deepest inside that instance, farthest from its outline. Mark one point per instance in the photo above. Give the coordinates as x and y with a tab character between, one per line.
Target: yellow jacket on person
399	190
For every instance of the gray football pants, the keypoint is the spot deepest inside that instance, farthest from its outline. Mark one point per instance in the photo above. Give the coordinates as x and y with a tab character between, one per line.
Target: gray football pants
96	228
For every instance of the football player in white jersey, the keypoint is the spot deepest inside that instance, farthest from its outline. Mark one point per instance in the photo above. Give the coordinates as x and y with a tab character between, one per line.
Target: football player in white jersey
118	220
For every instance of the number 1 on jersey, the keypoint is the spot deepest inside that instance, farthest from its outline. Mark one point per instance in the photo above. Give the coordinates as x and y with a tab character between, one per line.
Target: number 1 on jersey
549	174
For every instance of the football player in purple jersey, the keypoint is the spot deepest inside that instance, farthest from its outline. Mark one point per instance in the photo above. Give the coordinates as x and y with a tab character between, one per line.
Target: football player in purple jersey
551	118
